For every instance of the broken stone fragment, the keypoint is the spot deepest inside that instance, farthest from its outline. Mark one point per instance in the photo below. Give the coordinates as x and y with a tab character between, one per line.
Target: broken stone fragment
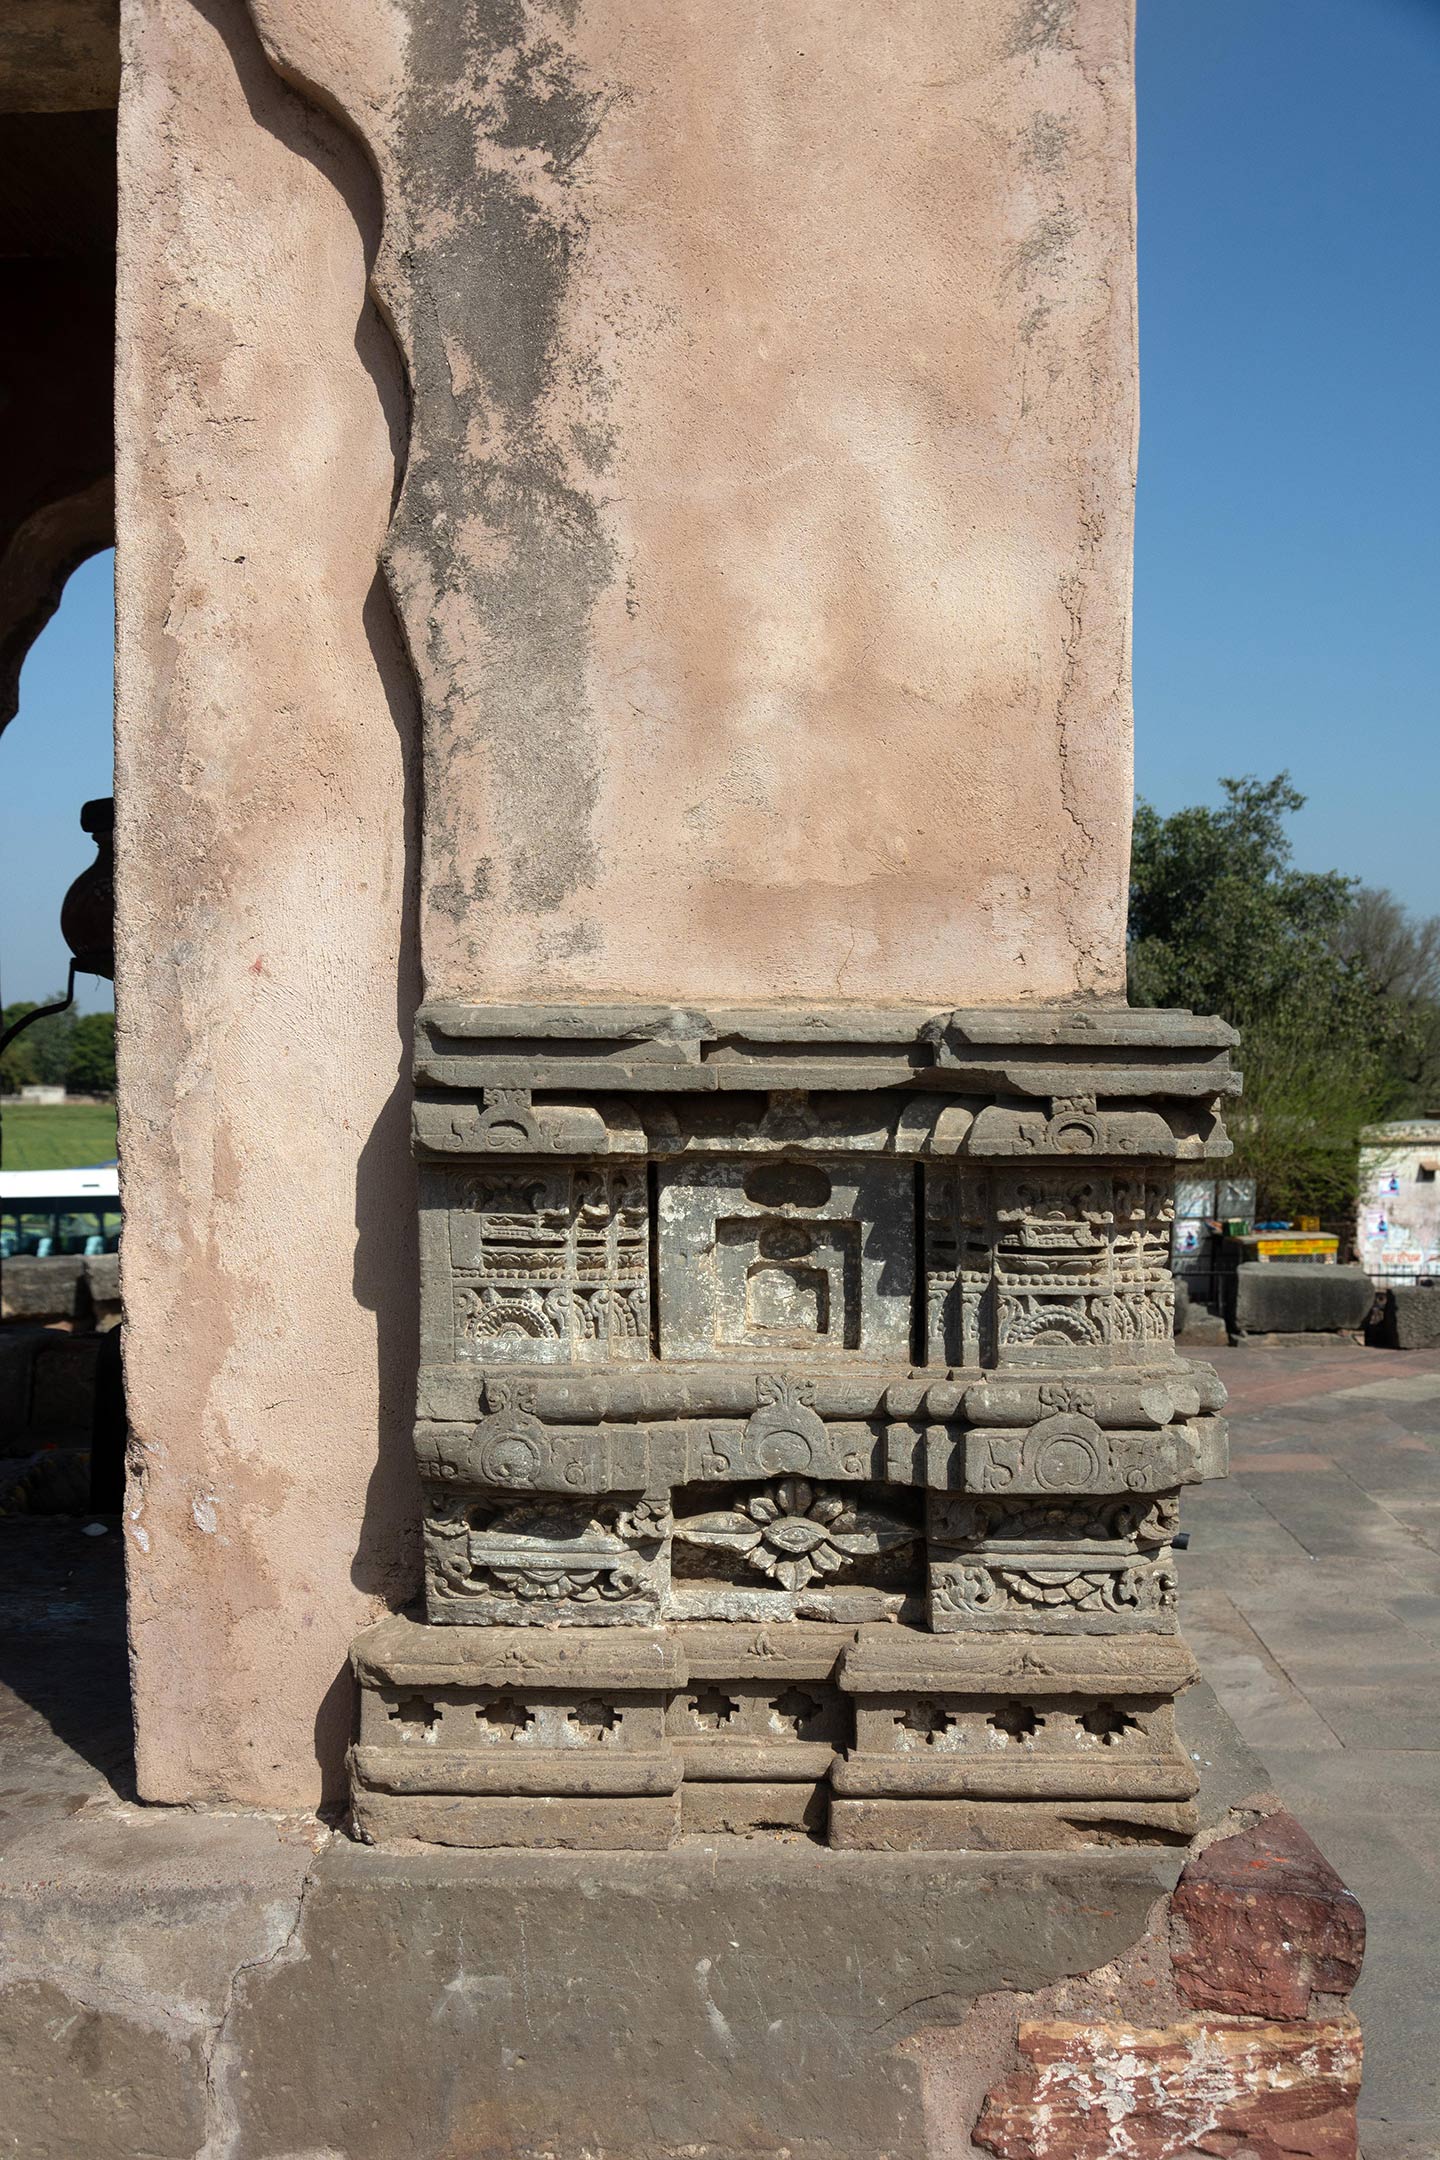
1262	1921
1093	2091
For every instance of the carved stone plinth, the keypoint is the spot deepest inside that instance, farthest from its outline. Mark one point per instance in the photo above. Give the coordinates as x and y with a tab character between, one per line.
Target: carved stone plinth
801	1428
508	1737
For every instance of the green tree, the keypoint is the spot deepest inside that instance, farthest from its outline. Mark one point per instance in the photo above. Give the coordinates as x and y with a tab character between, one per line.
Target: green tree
42	1054
1402	955
17	1067
1222	921
91	1070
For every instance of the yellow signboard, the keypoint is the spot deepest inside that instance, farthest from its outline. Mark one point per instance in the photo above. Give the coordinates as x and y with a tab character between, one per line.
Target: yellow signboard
1286	1245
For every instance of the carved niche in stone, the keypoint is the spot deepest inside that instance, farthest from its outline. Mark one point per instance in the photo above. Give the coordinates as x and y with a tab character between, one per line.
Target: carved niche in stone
550	1264
1048	1267
814	1257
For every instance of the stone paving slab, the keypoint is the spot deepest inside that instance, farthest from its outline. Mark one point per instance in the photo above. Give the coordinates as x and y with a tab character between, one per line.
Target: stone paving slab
1311	1595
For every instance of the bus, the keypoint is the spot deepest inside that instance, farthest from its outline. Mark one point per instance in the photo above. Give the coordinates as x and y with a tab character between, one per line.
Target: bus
43	1212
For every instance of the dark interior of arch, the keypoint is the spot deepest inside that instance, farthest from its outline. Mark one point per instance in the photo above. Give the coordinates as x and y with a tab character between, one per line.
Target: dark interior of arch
59	78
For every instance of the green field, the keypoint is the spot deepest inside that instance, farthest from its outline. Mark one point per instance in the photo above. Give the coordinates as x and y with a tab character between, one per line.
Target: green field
56	1136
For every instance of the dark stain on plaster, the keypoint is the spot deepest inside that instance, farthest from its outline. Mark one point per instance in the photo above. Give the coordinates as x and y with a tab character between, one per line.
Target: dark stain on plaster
1047	142
448	891
1034	321
1043	249
1040	26
546	109
495	131
499	285
594	444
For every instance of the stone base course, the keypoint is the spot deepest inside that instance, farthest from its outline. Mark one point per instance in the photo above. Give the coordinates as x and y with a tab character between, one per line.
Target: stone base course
179	1986
1004	1825
583	1737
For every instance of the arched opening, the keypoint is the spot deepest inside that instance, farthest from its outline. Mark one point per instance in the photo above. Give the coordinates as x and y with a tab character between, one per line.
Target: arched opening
63	1683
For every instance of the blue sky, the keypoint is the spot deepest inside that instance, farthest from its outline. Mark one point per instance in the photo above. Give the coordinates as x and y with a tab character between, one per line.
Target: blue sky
1287	577
55	755
1287	590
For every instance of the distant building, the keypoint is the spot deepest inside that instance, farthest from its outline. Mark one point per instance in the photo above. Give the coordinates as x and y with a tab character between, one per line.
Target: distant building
1397	1229
42	1092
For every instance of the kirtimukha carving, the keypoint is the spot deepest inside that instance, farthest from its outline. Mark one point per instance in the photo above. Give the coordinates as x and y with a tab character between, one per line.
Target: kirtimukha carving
801	1429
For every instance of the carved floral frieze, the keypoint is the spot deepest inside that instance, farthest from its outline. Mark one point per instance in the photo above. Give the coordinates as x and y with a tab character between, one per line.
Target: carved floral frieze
797	1532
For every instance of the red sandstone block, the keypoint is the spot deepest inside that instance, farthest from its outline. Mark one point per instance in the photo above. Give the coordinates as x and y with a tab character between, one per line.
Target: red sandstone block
1261	1921
1209	2085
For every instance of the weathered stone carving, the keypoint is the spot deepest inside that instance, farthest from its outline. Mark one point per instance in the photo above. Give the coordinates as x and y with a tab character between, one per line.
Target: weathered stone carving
800	1426
550	1265
1091	1565
961	1522
1033	1269
798	1533
1050	1590
537	1560
811	1257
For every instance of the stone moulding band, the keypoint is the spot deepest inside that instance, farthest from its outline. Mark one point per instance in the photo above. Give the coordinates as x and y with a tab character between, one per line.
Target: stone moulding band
1033	1052
866	1713
807	1320
522	1451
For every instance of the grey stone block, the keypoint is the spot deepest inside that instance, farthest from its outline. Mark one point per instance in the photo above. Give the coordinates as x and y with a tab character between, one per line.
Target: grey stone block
102	1282
649	2003
1293	1297
920	1825
34	1289
1410	1319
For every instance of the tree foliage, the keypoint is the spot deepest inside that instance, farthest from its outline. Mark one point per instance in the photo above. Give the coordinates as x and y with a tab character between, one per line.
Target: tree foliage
69	1049
42	1054
91	1070
18	1066
1402	956
1336	990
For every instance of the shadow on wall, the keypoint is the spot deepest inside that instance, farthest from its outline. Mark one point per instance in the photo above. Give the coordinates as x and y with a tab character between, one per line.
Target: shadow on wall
57	302
386	1564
